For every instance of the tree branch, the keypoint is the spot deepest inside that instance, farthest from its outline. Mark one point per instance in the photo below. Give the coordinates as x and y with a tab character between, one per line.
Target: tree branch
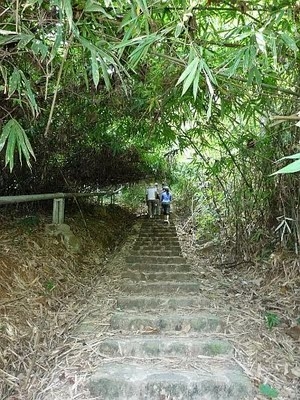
294	117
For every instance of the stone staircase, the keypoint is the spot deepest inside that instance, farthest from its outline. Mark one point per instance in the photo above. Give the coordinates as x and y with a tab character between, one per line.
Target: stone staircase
165	345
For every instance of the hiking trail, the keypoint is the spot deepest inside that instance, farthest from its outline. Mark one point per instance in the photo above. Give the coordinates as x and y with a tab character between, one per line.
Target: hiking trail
164	342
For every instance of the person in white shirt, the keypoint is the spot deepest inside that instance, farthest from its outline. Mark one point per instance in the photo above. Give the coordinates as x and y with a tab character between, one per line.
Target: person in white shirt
151	193
157	202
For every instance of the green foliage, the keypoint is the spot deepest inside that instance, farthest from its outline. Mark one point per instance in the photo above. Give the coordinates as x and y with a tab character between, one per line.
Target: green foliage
49	285
14	136
272	320
268	391
133	197
141	58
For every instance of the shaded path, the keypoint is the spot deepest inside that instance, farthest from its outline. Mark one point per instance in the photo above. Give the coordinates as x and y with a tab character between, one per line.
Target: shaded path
164	345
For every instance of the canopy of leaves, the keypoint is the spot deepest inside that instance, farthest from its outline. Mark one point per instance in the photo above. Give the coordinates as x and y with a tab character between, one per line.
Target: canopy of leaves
141	76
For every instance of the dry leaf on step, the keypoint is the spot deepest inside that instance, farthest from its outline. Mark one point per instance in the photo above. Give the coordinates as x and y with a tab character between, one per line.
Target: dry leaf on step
296	371
150	329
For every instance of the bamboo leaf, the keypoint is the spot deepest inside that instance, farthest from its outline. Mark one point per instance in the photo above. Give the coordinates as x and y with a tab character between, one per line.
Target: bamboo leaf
5	32
143	6
10	148
191	76
138	54
250	76
38	47
57	42
289	169
209	108
209	85
93	6
196	83
6	39
208	72
179	28
3	71
239	56
261	43
67	7
289	41
29	94
3	137
14	82
274	50
257	76
105	74
189	69
14	136
291	157
95	68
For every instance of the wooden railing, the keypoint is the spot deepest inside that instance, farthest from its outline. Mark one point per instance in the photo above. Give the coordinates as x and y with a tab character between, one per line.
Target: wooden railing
58	215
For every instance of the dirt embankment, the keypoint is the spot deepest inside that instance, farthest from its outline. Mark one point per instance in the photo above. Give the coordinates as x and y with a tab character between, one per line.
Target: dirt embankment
44	287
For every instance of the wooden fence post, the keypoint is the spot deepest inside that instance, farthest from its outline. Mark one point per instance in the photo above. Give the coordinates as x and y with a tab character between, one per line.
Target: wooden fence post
58	211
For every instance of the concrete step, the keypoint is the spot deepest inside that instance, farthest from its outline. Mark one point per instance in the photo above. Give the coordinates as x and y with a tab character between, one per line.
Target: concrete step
152	240
158	235
155	259
159	228
161	287
150	303
171	322
117	381
136	276
142	267
157	246
157	346
157	253
158	224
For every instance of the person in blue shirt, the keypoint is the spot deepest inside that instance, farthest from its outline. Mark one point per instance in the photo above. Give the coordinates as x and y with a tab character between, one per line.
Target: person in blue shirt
166	198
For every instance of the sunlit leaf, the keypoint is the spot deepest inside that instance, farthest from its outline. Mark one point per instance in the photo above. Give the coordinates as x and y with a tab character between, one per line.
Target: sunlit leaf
95	68
290	157
289	41
94	6
289	169
261	43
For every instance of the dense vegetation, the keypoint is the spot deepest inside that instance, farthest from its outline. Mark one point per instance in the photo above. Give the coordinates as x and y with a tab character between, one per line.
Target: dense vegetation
102	91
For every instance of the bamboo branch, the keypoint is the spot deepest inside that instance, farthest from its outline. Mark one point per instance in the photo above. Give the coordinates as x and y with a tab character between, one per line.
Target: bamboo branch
65	55
294	117
17	16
